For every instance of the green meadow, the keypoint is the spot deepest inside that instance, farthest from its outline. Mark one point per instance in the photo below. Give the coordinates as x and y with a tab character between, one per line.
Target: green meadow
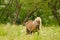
18	32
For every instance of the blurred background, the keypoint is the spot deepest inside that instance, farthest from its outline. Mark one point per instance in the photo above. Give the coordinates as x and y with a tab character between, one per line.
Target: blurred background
19	11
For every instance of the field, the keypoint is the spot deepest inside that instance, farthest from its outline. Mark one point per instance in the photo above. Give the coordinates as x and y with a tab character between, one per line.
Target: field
15	32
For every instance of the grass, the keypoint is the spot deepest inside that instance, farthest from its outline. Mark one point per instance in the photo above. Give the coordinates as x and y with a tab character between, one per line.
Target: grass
14	32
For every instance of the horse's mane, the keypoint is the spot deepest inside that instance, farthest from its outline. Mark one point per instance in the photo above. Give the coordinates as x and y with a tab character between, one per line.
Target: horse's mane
38	19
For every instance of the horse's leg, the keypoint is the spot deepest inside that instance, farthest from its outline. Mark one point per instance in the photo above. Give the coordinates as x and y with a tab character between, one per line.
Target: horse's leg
38	32
38	29
27	31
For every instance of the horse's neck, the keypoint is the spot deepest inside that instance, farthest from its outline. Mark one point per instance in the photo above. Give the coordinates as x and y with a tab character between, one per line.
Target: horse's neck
34	22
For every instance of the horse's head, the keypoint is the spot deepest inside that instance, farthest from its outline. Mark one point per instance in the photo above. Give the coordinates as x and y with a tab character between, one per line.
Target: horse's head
38	20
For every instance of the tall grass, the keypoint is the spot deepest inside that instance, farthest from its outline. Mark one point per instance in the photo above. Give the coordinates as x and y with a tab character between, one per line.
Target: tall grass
15	32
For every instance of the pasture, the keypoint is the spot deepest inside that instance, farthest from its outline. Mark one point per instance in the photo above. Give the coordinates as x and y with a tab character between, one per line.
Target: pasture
15	32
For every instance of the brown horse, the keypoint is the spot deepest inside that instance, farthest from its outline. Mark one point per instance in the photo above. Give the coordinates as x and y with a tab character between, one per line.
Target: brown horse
33	26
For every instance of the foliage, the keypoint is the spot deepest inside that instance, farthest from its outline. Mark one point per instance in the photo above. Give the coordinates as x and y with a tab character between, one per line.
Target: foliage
8	12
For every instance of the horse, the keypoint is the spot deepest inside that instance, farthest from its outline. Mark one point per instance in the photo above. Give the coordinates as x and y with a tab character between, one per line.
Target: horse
33	25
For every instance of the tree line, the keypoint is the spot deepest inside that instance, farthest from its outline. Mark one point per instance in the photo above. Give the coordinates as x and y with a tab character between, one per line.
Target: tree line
19	11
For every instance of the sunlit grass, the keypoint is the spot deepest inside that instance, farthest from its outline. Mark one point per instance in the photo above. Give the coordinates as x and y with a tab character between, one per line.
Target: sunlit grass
15	32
